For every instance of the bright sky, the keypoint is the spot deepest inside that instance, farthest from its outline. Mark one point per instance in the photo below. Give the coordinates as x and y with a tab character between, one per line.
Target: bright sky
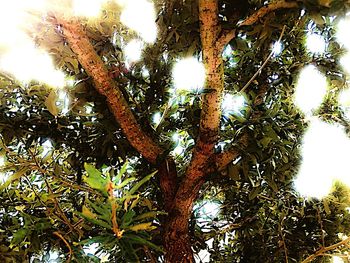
233	104
325	150
315	43
16	45
325	146
310	90
189	74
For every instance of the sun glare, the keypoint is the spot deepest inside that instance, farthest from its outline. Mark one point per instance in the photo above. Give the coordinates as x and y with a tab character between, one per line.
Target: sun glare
343	35
133	51
315	43
90	8
233	104
310	90
336	259
140	16
325	149
344	102
277	48
189	74
28	63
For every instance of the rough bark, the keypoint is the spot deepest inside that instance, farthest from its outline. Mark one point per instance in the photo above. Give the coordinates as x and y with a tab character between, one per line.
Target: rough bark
168	182
95	68
176	238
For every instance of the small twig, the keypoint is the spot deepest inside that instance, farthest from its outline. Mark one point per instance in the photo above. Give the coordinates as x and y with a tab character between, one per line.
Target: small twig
283	242
66	243
321	226
264	64
322	250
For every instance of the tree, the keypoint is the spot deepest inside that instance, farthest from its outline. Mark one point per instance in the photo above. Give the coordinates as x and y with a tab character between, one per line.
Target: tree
98	171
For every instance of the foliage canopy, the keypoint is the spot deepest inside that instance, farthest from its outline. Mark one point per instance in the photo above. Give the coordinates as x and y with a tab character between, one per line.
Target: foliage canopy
71	177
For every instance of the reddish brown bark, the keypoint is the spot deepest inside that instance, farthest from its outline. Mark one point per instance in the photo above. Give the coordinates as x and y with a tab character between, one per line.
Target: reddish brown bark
227	35
95	68
178	198
176	238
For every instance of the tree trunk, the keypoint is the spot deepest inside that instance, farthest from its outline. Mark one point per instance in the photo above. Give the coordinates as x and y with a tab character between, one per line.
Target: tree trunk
177	240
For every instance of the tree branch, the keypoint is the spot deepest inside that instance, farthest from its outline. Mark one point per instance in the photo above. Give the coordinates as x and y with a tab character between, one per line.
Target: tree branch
227	36
323	250
95	68
211	105
221	160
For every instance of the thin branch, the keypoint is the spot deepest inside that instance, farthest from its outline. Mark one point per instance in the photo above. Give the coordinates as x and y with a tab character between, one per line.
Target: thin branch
104	84
66	243
228	35
221	160
323	250
264	64
263	11
211	110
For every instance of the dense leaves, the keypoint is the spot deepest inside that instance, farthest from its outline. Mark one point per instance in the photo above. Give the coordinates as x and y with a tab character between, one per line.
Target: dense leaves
50	202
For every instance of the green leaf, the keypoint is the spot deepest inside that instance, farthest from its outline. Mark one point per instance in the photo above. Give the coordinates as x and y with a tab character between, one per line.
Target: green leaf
121	172
254	193
125	182
141	182
95	179
139	240
151	214
50	103
13	177
18	237
95	221
127	218
142	227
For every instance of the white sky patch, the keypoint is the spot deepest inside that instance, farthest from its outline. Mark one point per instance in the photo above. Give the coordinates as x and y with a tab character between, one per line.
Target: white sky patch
19	55
27	63
63	101
47	148
310	90
189	74
2	161
325	150
345	62
315	43
233	104
227	51
133	51
277	48
54	256
344	102
90	8
336	259
140	15
342	34
156	118
204	254
206	211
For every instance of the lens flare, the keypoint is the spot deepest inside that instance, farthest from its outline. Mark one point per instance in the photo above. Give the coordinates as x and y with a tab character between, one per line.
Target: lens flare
233	104
315	43
91	8
310	90
325	150
133	51
140	16
28	63
189	74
